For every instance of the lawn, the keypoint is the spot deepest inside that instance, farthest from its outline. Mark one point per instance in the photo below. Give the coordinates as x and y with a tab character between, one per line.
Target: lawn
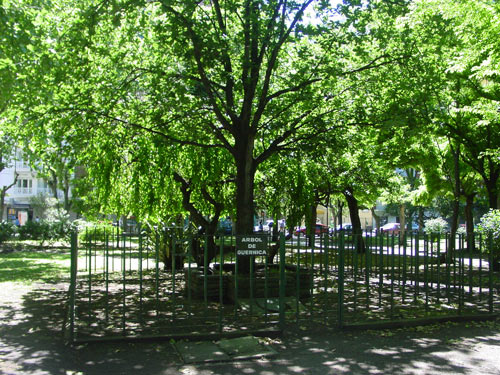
29	266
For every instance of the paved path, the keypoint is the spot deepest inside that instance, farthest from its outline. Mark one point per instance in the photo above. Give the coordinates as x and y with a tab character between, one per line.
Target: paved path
31	343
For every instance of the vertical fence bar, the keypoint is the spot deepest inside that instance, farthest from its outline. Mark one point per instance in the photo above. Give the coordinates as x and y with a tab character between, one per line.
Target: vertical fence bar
355	247
480	275
381	270
141	291
124	286
367	271
417	267
72	285
157	275
426	269
454	259
221	285
189	272
236	285
90	280
86	237
266	285
448	255
431	255
149	243
403	294
129	251
399	237
95	249
252	283
470	274
112	249
173	255
205	273
341	282
491	259
297	279
438	267
325	277
392	276
311	286
461	274
282	283
106	274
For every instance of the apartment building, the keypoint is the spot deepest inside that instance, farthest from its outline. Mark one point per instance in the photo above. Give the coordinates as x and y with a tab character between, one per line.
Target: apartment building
17	199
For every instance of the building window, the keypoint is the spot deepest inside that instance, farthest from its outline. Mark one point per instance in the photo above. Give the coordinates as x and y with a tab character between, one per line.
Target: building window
24	186
22	161
42	186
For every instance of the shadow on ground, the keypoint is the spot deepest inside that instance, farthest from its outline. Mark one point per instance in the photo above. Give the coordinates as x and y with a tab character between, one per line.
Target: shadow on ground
31	342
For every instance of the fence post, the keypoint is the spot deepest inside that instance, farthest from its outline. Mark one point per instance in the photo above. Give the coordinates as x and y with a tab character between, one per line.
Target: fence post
490	273
72	285
282	283
341	281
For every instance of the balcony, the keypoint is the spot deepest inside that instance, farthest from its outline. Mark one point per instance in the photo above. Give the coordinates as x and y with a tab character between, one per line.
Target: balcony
23	191
44	191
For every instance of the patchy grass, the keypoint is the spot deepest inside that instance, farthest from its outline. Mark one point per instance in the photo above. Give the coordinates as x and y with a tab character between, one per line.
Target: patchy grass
34	266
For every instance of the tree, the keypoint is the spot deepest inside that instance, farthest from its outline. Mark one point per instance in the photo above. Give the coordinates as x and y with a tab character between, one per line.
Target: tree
242	78
7	150
466	77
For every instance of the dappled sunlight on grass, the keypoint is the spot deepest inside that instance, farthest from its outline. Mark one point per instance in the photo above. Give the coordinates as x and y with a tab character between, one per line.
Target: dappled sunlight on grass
29	266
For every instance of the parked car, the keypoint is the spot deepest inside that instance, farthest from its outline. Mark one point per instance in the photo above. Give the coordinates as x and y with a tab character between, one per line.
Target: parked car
225	227
347	228
392	228
320	228
267	227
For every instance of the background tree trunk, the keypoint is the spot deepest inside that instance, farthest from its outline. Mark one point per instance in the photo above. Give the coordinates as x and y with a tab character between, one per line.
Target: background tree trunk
469	221
402	223
357	232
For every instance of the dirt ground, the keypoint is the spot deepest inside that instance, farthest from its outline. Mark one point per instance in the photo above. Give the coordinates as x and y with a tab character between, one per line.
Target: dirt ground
31	342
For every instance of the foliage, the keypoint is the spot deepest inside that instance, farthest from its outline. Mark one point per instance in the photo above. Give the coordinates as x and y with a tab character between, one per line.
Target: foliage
437	225
489	227
7	231
51	221
93	231
32	266
35	230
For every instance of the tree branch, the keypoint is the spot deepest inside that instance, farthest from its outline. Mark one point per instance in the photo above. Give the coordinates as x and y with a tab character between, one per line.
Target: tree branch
197	53
272	63
182	142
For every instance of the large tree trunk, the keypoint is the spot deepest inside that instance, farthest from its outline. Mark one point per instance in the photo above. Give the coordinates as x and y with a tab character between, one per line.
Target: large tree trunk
469	221
53	182
377	218
245	175
67	202
3	193
402	223
340	205
456	202
311	224
420	218
491	188
209	227
357	232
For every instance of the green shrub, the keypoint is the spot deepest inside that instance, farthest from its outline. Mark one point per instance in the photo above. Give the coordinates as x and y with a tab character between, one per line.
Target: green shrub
437	225
94	231
34	230
489	227
7	231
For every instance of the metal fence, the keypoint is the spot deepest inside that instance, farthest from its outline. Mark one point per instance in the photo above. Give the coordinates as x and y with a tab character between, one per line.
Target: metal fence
125	285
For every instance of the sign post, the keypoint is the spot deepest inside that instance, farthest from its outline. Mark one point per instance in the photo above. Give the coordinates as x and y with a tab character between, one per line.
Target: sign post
251	245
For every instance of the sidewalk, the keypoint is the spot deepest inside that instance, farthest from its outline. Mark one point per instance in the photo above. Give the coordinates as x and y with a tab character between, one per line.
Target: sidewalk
31	343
